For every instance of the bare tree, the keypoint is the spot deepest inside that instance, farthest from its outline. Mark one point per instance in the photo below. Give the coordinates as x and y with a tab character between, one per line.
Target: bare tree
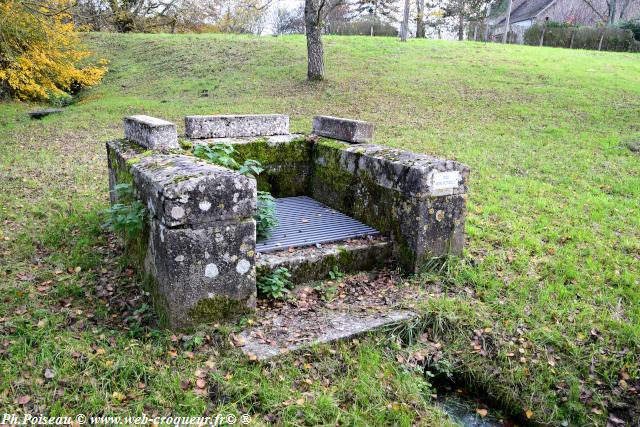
289	21
508	22
313	10
609	11
405	22
420	19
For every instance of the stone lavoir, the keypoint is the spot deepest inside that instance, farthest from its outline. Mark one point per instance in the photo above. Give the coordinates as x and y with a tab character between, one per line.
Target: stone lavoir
341	202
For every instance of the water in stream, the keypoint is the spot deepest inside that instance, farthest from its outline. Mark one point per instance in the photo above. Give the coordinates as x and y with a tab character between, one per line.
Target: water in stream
463	412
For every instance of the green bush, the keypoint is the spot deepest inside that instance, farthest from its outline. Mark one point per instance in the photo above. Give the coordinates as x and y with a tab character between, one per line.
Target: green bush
219	154
276	285
266	217
633	26
562	35
125	218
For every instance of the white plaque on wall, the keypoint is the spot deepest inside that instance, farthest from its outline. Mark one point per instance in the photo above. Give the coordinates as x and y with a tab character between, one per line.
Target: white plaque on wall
445	180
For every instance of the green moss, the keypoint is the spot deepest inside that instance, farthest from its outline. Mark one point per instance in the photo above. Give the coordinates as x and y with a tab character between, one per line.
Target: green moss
331	143
182	178
158	300
345	260
333	185
219	309
285	180
130	146
294	151
185	144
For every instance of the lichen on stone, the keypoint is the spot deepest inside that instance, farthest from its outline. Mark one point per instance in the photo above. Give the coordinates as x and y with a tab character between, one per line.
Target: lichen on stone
219	308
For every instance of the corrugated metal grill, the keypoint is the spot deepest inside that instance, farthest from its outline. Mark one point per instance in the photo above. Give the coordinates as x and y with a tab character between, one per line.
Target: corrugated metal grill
305	222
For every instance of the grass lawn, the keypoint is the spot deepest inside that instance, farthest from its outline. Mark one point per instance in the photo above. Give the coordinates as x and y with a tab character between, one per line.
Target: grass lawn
550	278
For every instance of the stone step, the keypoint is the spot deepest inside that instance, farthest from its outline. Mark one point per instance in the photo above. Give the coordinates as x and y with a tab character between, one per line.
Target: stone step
311	263
329	311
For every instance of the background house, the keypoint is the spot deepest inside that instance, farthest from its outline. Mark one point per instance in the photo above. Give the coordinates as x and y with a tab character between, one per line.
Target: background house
525	13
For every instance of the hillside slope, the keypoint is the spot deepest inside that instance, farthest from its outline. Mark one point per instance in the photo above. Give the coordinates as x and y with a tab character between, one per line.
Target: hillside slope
553	252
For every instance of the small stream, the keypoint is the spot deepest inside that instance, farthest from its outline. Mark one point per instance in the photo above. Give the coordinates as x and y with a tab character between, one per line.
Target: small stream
467	411
463	413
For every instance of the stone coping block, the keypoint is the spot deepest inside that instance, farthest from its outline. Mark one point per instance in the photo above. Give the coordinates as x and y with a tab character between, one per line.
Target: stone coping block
150	132
412	174
233	126
204	274
355	131
182	190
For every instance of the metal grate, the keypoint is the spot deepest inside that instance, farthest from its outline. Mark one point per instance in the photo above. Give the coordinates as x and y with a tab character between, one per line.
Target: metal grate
305	222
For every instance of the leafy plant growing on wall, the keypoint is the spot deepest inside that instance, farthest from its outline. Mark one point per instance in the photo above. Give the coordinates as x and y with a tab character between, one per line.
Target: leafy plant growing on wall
125	218
251	168
223	155
266	218
276	285
219	154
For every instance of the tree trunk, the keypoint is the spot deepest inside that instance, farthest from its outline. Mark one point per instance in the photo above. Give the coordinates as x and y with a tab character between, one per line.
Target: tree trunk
486	24
544	29
612	12
506	25
623	9
420	19
405	22
475	32
601	39
573	36
315	50
461	21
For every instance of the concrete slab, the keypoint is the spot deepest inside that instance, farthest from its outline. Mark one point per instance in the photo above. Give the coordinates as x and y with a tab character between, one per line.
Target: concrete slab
331	326
332	310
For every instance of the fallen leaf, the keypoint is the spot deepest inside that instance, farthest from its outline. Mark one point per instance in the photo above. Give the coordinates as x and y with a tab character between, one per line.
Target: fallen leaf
23	400
529	414
482	412
118	396
48	374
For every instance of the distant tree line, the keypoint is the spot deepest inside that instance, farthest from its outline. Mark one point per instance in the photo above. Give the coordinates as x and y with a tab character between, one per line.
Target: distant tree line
344	17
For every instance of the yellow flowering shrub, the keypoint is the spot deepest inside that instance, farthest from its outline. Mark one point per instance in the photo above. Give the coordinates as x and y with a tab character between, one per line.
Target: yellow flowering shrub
40	53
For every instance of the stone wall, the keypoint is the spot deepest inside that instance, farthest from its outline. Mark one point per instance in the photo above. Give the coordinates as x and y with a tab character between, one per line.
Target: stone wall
199	246
198	250
417	200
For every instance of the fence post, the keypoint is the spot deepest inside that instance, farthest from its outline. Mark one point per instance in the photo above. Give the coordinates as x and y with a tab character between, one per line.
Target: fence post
601	39
573	33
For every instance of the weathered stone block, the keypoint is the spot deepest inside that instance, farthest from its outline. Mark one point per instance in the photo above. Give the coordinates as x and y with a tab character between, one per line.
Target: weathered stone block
236	126
200	247
418	200
205	274
307	264
356	131
181	190
150	132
